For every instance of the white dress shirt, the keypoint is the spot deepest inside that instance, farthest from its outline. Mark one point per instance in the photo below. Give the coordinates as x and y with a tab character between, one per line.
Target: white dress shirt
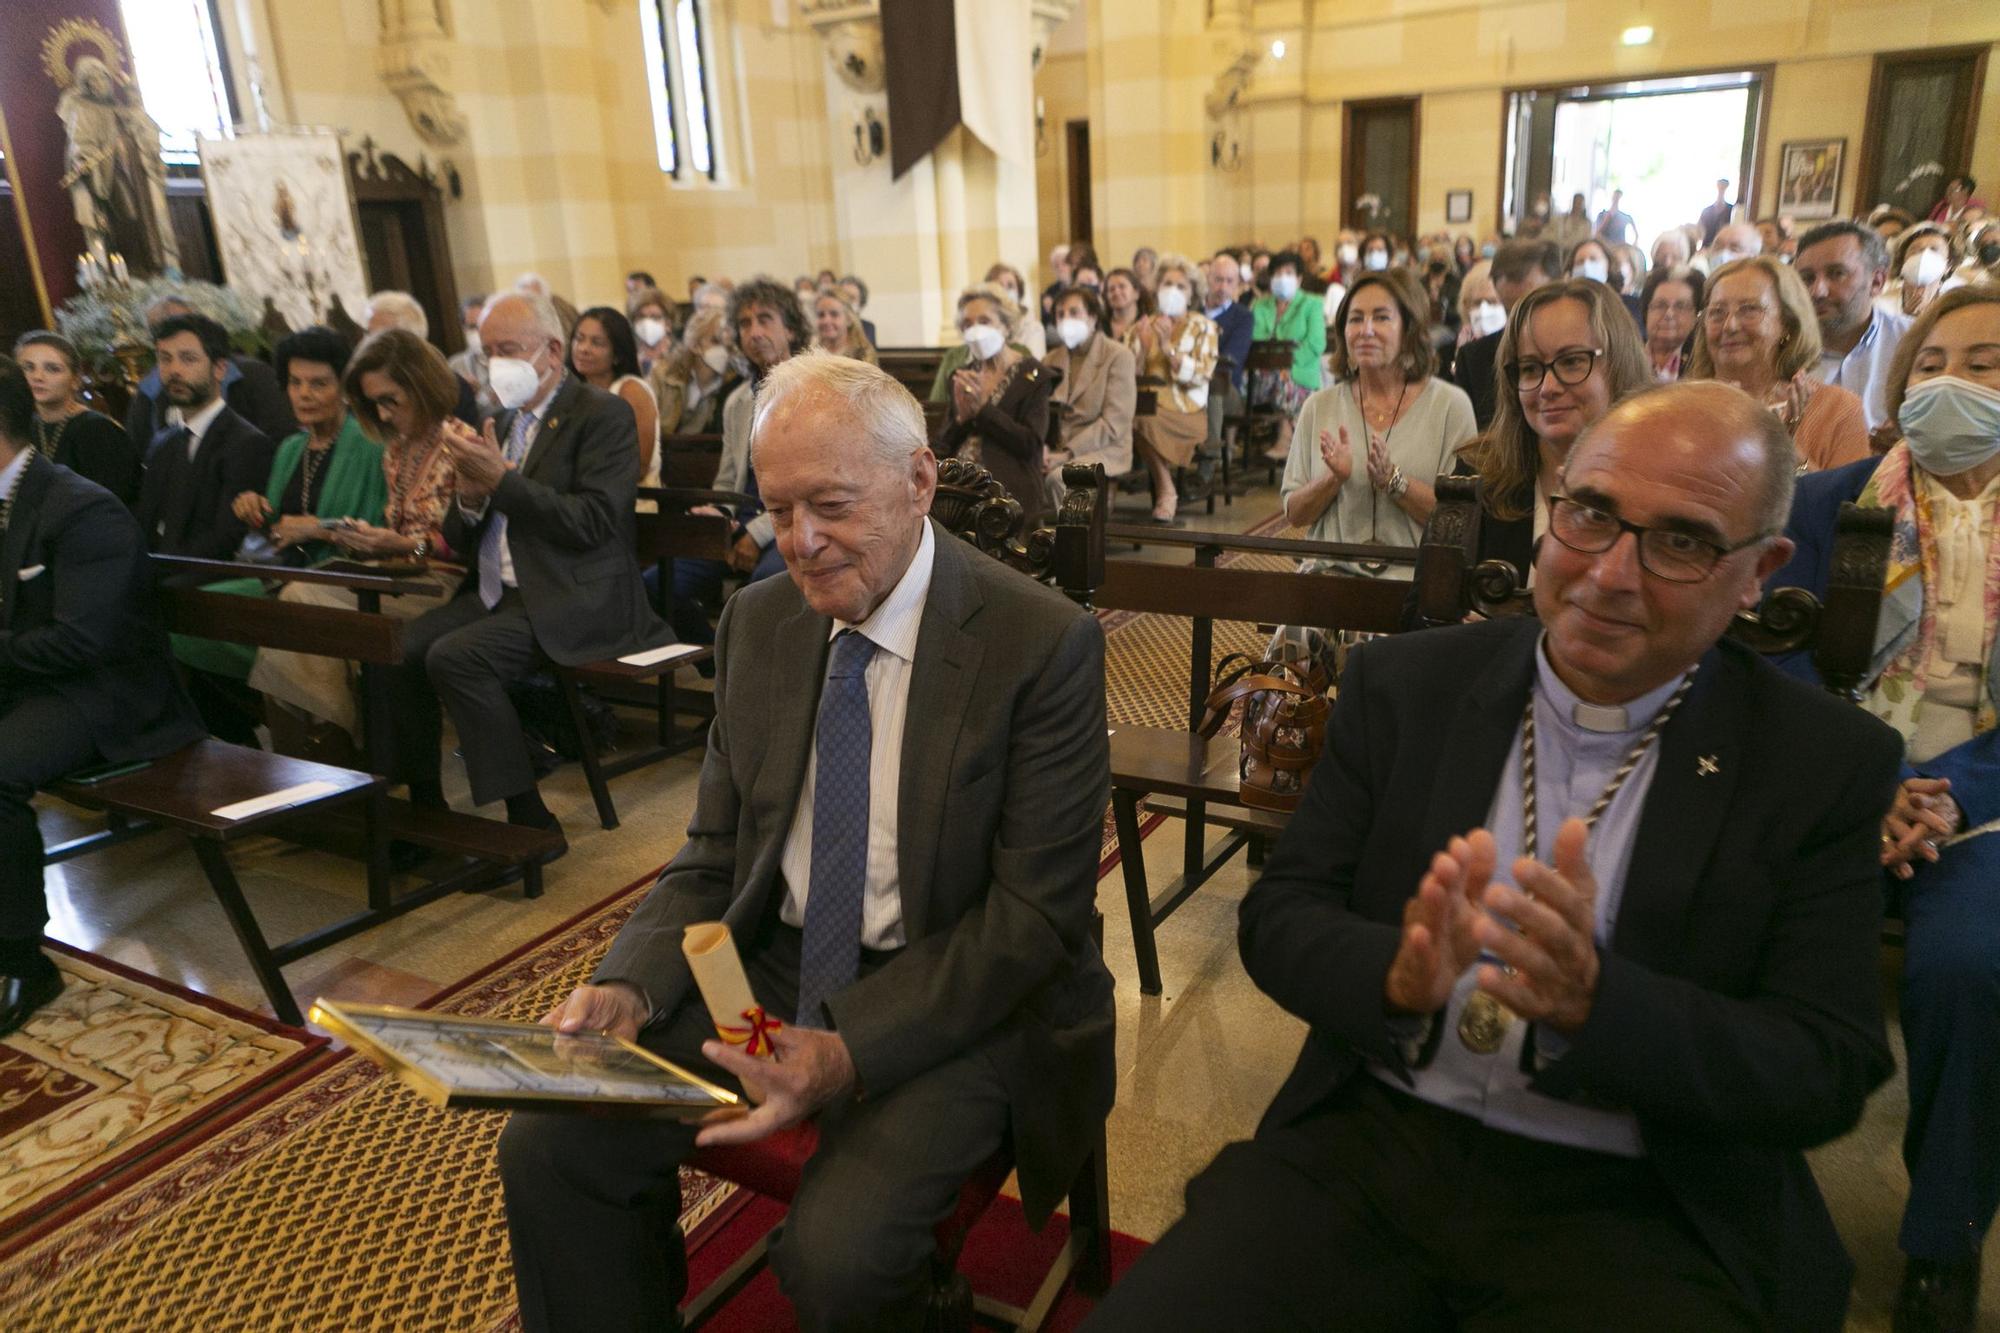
536	411
1864	371
198	424
893	630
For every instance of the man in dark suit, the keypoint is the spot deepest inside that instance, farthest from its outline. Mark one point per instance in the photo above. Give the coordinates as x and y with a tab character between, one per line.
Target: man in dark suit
544	518
1570	1089
85	675
204	455
1518	268
249	386
899	820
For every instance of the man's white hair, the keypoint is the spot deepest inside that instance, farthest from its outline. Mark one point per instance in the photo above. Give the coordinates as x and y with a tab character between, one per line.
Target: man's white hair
402	310
547	322
892	422
532	283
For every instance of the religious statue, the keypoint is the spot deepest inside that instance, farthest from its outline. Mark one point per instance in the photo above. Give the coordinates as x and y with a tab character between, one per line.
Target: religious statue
111	163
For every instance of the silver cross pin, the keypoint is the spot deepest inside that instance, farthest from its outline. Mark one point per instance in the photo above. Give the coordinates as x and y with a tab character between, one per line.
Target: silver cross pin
1706	766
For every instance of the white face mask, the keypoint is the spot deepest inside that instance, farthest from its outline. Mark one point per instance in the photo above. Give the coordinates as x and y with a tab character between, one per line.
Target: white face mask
472	341
1595	270
1172	302
1375	261
716	356
1489	317
514	381
1924	268
983	340
650	330
1720	256
1072	331
1349	254
1285	286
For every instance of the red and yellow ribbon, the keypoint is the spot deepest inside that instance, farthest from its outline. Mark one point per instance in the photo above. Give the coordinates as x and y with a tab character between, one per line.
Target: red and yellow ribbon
755	1039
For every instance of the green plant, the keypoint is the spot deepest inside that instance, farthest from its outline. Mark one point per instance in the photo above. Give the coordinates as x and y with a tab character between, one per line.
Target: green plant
99	321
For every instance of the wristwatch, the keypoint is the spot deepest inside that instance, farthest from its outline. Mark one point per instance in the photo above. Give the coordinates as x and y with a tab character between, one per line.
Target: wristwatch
1399	482
423	548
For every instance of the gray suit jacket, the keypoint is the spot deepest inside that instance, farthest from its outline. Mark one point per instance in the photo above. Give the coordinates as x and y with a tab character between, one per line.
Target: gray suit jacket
569	526
1005	775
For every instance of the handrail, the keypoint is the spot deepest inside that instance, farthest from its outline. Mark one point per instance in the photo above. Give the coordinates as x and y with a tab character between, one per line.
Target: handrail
389	585
1148	535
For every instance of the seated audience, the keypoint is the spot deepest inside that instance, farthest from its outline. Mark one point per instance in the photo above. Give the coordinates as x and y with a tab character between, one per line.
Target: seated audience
1235	325
652	326
837	328
1518	268
999	414
1088	274
396	412
1670	303
712	296
534	284
1145	268
543	523
1297	317
1479	314
204	454
1738	240
1464	254
1758	333
1175	349
932	1007
855	292
1592	258
693	380
248	386
1889	221
400	310
770	327
1096	397
85	676
1560	1024
1059	279
1844	267
1566	360
604	354
1957	198
1027	330
1378	436
66	432
470	364
1934	679
1925	262
1671	248
1125	301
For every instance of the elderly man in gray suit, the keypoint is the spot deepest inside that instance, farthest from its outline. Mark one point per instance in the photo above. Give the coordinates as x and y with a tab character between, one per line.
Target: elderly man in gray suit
899	818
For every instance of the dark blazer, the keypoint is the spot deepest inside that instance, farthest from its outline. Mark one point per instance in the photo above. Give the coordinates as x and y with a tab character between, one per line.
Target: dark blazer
234	457
569	527
1472	371
1234	331
1738	1009
82	623
1011	431
249	386
1005	773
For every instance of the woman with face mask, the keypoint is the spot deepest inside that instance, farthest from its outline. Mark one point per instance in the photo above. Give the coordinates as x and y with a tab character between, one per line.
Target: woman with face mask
1095	397
1028	332
1923	270
652	317
998	398
1289	315
1174	351
1479	313
1934	679
692	381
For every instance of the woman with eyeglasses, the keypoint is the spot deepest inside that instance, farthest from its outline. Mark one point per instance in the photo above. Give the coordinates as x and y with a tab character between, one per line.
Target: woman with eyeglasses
1935	678
1669	304
1758	332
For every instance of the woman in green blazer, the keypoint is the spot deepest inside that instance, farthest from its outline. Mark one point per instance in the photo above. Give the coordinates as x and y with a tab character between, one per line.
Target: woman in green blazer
1300	318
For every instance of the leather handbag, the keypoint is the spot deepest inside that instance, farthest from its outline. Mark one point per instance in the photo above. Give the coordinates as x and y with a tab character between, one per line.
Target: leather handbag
1284	711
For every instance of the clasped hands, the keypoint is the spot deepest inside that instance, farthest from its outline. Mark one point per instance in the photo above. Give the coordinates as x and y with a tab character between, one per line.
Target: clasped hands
812	1068
1453	917
477	458
1921	814
1338	455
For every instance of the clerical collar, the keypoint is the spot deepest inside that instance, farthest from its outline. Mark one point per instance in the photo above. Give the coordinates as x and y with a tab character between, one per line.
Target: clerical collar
1604	718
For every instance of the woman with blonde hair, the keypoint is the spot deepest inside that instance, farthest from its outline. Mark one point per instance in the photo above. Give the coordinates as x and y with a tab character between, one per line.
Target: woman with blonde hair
1028	330
1758	332
1175	349
960	357
837	327
695	377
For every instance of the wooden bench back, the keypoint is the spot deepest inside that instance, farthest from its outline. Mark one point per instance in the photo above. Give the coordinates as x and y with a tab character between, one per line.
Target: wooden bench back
915	368
266	622
690	460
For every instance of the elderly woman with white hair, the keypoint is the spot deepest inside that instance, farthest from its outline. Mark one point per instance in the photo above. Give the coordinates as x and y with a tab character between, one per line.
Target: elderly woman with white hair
1174	353
999	414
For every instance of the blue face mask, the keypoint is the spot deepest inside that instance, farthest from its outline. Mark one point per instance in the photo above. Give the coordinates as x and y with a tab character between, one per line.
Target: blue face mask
1488	250
1952	425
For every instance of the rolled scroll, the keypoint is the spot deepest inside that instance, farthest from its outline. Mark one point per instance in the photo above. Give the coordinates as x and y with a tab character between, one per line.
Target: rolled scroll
725	989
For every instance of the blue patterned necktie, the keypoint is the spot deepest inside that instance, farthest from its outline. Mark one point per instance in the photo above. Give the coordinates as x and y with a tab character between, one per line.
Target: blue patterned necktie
490	586
830	953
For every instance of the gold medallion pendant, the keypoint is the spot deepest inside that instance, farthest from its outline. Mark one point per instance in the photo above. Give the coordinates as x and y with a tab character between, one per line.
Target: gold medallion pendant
1483	1023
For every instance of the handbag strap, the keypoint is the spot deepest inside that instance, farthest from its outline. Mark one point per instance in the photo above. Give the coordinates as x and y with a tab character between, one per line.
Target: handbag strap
1224	696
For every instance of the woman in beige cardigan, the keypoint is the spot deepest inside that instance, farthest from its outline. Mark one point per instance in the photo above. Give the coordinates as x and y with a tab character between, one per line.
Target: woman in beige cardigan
1094	402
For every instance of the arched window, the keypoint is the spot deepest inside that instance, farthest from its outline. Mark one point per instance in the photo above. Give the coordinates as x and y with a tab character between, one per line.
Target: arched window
675	34
182	79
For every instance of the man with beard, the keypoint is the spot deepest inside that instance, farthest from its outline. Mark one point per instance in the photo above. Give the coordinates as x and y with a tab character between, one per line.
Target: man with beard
203	455
1845	265
770	327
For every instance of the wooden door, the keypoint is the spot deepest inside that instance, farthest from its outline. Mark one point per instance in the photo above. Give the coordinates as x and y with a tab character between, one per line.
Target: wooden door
1922	106
1078	133
400	216
1380	152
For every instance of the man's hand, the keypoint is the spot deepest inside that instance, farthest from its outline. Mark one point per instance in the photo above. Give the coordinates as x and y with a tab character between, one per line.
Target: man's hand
251	509
1338	457
1554	951
478	459
616	1007
743	554
812	1068
1438	941
1921	814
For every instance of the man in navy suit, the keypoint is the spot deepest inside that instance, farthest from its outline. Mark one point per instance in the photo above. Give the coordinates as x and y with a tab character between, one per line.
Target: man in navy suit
1570	1088
85	675
204	455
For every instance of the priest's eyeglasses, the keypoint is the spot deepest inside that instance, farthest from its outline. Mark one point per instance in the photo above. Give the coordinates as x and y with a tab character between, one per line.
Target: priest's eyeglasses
1677	557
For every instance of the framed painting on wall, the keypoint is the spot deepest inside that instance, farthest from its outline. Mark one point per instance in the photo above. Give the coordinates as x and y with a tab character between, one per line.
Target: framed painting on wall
1809	177
1458	205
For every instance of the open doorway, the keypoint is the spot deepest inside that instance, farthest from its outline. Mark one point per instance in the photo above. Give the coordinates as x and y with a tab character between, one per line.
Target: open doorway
1664	142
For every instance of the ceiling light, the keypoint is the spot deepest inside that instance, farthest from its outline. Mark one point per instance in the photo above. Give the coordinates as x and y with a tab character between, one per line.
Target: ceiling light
1639	36
1278	49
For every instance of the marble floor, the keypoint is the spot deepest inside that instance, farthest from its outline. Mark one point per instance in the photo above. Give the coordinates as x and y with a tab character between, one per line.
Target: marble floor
1196	1065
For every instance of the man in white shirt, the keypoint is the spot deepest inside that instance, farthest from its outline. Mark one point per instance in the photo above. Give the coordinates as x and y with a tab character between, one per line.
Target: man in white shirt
1845	265
899	819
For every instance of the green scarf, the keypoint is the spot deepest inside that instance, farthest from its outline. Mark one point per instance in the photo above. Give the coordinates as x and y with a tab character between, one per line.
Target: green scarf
353	486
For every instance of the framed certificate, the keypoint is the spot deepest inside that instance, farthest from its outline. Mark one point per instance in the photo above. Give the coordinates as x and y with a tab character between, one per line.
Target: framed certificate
487	1063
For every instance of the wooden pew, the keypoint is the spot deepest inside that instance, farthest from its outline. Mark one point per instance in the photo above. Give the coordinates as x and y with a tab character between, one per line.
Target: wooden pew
690	461
915	368
1178	772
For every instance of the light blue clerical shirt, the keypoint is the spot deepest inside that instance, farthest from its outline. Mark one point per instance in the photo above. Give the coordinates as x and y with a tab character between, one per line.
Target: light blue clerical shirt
1578	747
